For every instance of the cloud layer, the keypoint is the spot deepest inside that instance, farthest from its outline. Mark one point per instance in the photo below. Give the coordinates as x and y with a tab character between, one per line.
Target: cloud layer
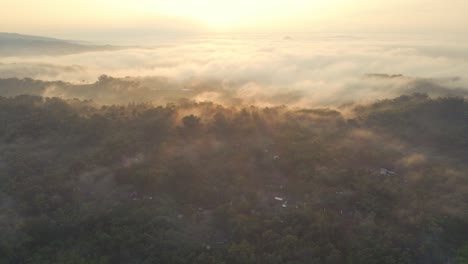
296	70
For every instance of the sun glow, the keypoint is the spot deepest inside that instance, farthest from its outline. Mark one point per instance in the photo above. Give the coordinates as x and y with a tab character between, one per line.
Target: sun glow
241	13
146	16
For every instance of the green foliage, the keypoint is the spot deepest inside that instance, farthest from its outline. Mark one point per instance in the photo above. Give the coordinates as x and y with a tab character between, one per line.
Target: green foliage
462	254
201	183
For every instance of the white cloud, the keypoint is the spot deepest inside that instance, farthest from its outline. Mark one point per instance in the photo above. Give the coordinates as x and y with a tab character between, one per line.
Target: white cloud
321	69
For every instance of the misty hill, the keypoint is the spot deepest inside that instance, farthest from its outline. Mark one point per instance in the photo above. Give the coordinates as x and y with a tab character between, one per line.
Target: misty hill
160	90
12	44
204	183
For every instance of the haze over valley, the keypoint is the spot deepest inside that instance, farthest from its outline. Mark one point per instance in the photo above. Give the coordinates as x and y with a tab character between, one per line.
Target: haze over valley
234	132
266	69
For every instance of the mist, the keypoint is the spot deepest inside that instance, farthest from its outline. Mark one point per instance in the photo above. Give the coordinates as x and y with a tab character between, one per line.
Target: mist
266	69
150	138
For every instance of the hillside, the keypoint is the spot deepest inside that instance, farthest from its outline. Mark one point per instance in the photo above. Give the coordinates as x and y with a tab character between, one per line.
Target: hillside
12	44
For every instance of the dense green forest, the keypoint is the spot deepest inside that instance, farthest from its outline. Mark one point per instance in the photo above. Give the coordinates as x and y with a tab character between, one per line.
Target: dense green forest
385	182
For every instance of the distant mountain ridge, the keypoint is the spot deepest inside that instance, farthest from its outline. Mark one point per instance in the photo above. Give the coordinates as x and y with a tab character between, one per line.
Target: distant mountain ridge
16	36
13	44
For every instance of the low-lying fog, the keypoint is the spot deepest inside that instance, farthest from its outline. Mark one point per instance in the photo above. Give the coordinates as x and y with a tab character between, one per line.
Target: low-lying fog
293	69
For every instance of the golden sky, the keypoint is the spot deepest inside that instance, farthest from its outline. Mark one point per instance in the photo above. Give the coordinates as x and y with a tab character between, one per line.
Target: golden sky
62	17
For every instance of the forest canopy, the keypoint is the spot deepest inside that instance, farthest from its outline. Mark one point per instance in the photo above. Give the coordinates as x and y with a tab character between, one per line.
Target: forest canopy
199	182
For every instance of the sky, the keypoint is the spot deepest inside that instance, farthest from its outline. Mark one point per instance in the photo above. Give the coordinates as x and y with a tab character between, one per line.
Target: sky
87	19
